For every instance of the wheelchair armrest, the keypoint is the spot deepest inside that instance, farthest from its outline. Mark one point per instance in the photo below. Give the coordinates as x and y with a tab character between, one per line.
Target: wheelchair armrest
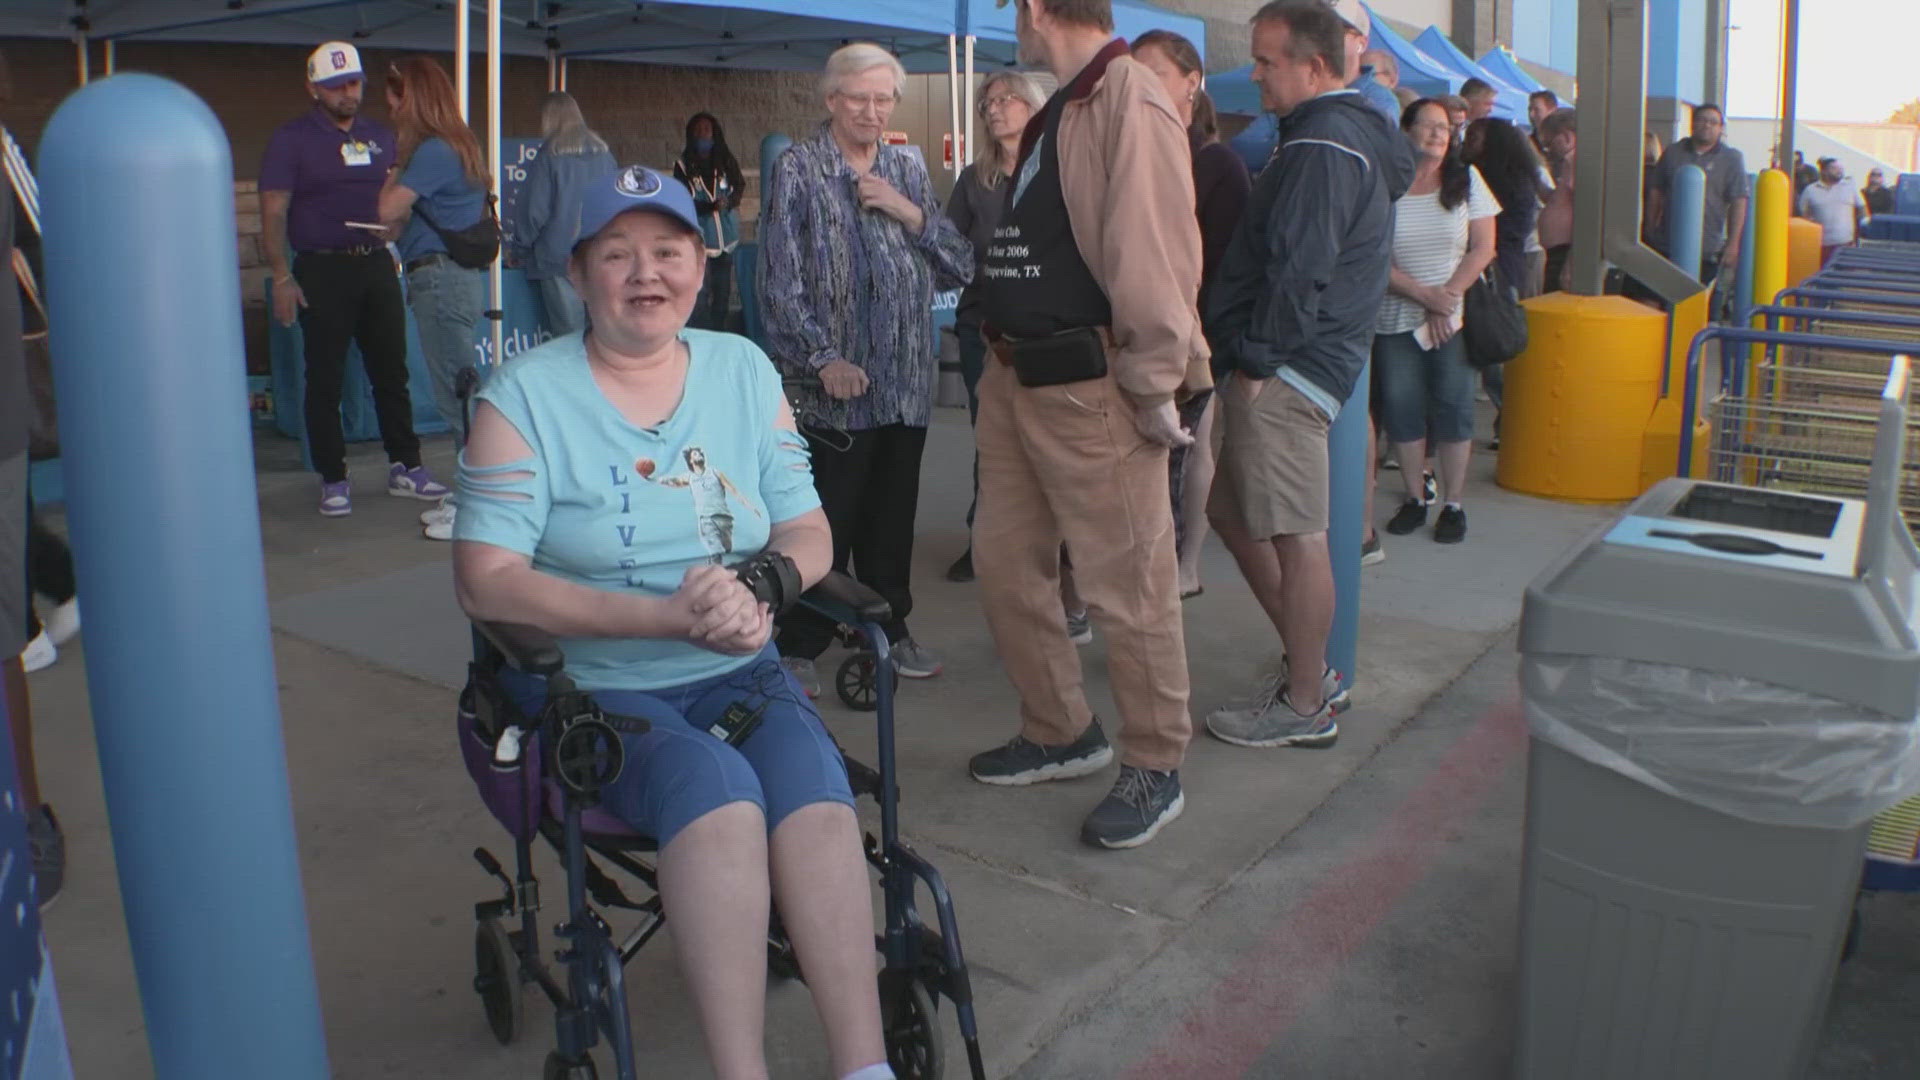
526	648
843	599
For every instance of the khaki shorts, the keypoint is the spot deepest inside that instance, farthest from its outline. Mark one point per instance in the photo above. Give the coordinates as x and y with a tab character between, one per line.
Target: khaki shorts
1272	476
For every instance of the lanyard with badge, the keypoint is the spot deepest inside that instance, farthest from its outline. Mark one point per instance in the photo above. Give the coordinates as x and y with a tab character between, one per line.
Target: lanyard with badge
354	152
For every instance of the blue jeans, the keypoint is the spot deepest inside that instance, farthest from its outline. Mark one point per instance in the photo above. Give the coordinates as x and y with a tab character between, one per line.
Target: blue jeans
447	300
566	313
678	772
1426	393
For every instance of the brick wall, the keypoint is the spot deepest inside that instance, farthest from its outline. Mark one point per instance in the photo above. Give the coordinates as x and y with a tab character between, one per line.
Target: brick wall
640	109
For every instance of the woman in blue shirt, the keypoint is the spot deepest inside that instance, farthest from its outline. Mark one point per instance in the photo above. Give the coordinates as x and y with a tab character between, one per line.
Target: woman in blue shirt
611	480
440	184
546	219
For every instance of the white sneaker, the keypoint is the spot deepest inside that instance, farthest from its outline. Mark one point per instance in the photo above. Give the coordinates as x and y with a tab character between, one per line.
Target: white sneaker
64	622
439	522
39	653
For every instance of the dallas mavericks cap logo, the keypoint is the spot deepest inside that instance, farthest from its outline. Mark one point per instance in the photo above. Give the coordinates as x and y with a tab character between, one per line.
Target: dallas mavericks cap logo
638	182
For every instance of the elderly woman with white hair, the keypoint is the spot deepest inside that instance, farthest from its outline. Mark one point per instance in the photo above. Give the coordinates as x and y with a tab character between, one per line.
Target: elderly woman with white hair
853	244
546	219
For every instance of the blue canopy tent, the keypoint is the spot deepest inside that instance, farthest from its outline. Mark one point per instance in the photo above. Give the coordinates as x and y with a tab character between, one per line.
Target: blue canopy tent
1501	62
1509	103
993	27
1419	71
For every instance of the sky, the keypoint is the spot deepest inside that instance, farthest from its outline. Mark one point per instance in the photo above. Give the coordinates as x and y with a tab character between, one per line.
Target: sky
1857	59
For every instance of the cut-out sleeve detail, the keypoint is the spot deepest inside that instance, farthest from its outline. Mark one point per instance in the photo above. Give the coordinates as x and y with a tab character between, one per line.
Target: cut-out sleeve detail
503	505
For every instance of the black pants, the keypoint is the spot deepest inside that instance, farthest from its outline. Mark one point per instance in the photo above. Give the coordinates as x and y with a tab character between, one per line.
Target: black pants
354	298
49	568
716	295
870	490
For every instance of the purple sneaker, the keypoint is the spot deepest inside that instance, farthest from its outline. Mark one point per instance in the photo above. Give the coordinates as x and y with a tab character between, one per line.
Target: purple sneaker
414	483
336	500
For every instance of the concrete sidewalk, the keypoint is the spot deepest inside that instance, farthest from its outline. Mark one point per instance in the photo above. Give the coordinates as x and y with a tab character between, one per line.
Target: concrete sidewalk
371	646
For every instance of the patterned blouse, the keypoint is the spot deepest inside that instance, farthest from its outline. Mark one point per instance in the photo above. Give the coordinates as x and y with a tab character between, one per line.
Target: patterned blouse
841	283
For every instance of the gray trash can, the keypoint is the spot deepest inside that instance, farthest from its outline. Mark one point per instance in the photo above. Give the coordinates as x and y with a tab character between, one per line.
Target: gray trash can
1721	689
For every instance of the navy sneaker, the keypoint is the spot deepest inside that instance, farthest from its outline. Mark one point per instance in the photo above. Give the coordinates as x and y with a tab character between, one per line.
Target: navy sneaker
1139	806
1021	761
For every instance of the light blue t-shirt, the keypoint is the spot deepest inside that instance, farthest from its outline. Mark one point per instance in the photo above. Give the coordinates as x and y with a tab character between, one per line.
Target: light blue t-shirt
618	507
434	174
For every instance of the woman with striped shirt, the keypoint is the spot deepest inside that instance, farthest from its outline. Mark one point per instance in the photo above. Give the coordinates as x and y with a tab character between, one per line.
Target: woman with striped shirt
1443	238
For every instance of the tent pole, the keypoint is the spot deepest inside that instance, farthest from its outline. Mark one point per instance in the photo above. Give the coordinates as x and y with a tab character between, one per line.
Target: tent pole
107	48
563	73
953	99
80	49
965	149
495	315
462	84
553	69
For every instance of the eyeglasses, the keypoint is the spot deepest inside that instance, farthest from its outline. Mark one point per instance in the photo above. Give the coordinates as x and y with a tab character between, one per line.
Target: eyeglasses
863	102
1426	127
999	101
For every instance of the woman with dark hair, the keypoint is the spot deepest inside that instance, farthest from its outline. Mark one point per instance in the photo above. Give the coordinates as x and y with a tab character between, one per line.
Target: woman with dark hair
709	169
1506	162
1220	188
1443	237
440	185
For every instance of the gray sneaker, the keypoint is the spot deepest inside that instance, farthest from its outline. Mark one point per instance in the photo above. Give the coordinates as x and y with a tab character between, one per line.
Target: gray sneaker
1079	628
1139	806
1021	761
803	672
913	660
1268	719
48	846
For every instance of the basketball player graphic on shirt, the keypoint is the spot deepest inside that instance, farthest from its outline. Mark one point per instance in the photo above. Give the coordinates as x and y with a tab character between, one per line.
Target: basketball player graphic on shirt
710	488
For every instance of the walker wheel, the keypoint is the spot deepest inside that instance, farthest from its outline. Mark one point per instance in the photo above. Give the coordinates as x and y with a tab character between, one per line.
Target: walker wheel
857	682
497	979
782	962
911	1027
559	1068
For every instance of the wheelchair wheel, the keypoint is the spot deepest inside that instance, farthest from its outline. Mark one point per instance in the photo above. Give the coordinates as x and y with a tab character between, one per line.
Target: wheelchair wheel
497	979
858	684
911	1027
559	1068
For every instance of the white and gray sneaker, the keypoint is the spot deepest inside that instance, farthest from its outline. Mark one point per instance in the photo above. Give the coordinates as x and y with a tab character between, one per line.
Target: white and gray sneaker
803	672
1268	719
438	522
1080	628
913	660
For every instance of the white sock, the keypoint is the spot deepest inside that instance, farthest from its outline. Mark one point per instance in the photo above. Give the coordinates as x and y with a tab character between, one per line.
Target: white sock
1453	506
881	1071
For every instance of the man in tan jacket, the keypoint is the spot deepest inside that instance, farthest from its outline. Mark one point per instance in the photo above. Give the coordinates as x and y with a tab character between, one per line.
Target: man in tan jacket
1089	287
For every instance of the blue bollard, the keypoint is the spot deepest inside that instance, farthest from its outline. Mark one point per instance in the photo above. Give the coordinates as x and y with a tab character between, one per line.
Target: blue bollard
136	186
1687	218
771	147
1347	469
1743	279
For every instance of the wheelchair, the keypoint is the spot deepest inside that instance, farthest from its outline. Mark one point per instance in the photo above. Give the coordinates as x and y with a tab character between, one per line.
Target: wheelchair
542	786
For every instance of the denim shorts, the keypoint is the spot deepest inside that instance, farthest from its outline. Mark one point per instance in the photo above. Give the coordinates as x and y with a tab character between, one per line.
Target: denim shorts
1424	393
678	772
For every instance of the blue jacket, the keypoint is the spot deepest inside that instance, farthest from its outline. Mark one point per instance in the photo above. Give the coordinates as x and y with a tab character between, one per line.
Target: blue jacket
1303	279
546	221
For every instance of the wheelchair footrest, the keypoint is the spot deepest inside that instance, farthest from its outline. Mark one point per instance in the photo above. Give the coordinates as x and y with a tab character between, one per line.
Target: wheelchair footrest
862	778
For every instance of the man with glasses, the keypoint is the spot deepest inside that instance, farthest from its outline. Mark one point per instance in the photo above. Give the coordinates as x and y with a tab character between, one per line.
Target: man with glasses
1726	171
852	247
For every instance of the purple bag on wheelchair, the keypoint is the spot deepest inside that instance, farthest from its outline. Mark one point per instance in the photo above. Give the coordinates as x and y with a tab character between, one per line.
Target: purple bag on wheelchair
513	792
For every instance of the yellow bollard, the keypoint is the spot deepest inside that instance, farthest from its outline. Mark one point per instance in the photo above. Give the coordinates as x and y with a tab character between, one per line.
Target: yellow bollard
1772	209
1803	250
1579	400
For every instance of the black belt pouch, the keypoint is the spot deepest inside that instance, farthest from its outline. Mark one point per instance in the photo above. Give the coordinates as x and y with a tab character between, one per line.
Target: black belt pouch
1070	356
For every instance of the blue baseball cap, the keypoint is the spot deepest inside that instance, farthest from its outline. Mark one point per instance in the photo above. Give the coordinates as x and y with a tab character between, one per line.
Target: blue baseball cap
634	187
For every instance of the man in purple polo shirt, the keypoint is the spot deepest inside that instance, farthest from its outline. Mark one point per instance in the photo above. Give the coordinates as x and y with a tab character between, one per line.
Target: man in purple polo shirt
320	194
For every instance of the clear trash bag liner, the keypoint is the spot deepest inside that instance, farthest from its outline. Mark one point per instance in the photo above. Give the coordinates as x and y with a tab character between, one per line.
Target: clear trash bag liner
1743	747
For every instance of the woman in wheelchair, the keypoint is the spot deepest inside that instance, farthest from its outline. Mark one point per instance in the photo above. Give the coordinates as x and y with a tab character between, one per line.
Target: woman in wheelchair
610	480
